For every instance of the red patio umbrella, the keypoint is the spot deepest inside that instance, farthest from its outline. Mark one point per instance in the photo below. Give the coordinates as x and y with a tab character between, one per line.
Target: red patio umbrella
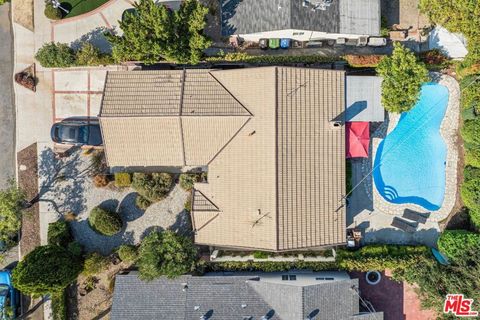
358	139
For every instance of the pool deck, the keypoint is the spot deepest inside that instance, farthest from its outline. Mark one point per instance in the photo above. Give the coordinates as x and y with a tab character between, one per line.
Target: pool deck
372	213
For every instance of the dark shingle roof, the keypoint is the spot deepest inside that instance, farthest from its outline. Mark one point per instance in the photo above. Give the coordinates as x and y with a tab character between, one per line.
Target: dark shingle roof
232	297
342	16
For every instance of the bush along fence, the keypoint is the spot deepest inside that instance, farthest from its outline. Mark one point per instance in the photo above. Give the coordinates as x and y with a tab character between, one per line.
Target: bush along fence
370	257
271	59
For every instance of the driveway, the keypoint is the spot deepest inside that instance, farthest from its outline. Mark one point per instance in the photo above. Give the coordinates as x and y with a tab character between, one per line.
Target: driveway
7	111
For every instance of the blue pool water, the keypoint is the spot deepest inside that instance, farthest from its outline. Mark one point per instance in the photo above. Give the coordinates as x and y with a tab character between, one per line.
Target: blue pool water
410	161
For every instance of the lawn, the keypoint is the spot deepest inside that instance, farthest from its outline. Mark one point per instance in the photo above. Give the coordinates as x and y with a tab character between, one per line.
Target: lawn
77	7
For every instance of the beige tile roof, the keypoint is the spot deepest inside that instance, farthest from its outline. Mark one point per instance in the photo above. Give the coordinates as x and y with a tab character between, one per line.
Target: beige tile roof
162	113
311	158
276	163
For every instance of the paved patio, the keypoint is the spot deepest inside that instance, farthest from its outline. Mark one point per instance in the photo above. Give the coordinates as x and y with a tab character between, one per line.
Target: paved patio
397	300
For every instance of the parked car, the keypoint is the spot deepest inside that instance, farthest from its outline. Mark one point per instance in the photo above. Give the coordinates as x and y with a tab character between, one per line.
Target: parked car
8	296
77	133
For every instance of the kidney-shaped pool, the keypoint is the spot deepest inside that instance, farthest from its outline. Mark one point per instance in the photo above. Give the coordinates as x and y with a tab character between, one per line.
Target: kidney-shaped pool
409	165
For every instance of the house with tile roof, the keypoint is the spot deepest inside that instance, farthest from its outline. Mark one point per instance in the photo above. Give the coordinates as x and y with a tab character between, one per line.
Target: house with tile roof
272	140
292	295
302	20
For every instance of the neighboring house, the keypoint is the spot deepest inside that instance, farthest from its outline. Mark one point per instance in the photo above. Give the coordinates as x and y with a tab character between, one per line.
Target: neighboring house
288	295
272	140
300	19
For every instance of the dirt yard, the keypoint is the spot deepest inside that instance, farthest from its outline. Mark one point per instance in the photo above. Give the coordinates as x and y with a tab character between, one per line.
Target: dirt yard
23	13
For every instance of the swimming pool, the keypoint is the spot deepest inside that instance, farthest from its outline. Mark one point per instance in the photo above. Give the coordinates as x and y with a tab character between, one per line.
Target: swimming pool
409	165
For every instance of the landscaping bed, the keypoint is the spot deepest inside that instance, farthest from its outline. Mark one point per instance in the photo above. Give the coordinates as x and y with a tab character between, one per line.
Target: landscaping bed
78	7
28	182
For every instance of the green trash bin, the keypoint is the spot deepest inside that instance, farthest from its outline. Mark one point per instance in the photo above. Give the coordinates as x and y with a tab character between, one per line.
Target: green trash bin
274	43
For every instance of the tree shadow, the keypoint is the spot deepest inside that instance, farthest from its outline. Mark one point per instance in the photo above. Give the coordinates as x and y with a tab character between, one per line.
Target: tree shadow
62	181
182	224
97	38
127	208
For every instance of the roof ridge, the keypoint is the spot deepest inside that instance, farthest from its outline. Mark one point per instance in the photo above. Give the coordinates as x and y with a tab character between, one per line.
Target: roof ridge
228	91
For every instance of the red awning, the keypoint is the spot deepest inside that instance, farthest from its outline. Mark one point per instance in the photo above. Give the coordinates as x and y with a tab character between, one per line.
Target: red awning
358	139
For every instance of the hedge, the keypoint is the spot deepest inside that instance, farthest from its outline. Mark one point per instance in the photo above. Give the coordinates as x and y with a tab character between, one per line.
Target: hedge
456	243
272	59
61	55
105	222
59	233
380	257
470	131
270	266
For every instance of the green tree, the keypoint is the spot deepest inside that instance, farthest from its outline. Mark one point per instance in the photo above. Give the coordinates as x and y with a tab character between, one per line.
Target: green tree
12	200
165	253
105	222
403	76
55	55
153	32
89	55
470	192
47	269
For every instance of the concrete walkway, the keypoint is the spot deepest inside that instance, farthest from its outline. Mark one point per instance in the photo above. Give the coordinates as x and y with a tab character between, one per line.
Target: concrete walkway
7	110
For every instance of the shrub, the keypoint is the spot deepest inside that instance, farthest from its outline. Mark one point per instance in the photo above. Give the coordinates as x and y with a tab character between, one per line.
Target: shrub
471	93
380	257
46	269
11	203
100	180
403	76
59	233
260	255
471	130
105	222
472	157
127	253
187	180
165	253
142	203
51	12
370	61
123	179
270	266
280	59
433	57
153	186
94	264
89	55
470	192
457	243
55	55
75	248
59	305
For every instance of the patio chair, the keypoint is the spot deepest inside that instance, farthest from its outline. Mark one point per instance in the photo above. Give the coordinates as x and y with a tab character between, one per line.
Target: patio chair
404	225
416	216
